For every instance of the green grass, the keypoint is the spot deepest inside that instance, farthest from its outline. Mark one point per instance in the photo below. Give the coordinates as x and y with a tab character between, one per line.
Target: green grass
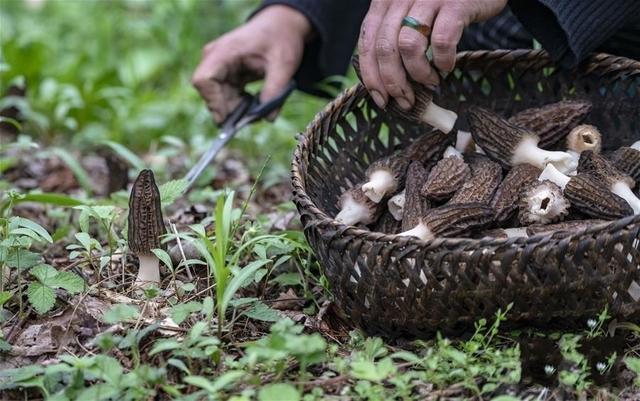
117	73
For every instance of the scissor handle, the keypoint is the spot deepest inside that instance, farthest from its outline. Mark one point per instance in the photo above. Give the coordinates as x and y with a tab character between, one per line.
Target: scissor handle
250	109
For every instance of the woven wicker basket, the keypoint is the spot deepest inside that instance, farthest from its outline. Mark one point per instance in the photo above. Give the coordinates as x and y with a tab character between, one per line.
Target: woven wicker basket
400	286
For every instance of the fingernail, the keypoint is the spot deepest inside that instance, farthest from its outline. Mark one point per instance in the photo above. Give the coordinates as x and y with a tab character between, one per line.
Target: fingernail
403	103
378	98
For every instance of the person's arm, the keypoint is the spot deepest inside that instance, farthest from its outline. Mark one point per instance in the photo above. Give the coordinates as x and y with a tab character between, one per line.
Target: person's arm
570	30
336	25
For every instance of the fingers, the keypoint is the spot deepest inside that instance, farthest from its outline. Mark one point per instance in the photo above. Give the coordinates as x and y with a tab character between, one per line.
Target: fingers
367	54
211	79
447	31
391	69
413	47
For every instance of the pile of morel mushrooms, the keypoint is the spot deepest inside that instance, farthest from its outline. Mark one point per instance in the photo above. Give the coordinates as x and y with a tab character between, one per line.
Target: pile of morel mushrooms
538	171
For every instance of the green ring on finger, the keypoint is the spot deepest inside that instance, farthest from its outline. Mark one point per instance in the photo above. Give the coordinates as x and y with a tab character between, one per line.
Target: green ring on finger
423	29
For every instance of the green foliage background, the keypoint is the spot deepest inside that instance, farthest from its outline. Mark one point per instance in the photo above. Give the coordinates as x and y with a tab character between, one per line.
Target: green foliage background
120	70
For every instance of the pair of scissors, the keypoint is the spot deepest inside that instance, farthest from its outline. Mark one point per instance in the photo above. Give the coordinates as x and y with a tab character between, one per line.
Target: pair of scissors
248	111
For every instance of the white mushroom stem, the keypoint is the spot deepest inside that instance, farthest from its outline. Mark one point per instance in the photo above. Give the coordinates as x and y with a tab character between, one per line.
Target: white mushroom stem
353	212
622	189
576	159
450	151
464	142
380	183
545	205
396	205
149	272
528	151
516	232
636	145
440	118
552	174
584	137
420	231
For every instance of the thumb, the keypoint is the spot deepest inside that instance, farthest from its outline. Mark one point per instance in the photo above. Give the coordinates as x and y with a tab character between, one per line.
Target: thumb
277	77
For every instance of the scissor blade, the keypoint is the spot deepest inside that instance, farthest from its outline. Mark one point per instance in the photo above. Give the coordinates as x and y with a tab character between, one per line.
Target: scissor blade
218	143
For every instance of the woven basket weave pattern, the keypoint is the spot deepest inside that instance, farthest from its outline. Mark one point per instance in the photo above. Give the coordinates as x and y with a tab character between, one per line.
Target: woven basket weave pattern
399	286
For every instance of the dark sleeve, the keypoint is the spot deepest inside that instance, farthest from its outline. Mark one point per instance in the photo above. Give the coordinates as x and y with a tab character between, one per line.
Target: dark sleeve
570	29
337	26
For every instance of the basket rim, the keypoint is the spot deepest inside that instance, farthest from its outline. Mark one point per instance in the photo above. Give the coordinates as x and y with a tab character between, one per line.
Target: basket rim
595	61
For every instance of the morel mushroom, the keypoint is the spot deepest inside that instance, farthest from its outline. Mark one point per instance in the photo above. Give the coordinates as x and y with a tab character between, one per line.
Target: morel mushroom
428	148
584	137
356	208
145	227
387	224
451	220
543	203
415	205
589	195
564	227
512	145
617	182
552	122
385	176
627	160
424	110
396	203
446	178
481	184
505	200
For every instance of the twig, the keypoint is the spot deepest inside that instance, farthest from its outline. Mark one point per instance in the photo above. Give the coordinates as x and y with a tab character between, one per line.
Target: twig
184	257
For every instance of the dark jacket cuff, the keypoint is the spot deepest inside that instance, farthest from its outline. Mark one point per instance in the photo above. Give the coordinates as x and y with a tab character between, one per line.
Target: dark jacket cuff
570	30
336	24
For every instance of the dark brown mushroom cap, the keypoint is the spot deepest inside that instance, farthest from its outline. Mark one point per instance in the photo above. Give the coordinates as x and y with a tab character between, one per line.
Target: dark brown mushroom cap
505	200
598	166
446	178
591	196
386	224
456	220
146	225
481	184
423	97
415	206
552	122
564	227
495	135
428	148
627	160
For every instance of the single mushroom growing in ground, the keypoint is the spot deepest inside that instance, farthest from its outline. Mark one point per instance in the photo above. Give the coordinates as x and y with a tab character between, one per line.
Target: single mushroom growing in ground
415	205
627	160
552	122
146	226
505	200
385	176
451	220
588	195
512	145
448	175
480	186
617	182
424	110
543	203
356	208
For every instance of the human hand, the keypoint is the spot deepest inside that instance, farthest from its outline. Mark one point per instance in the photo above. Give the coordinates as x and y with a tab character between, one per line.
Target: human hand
391	53
270	46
